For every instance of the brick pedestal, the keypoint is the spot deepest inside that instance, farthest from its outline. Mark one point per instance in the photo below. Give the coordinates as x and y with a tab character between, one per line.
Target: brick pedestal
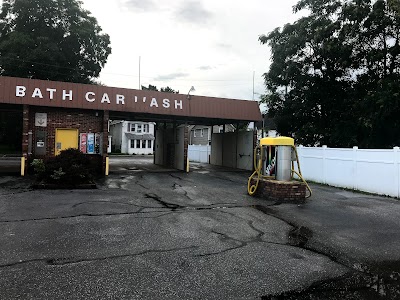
281	191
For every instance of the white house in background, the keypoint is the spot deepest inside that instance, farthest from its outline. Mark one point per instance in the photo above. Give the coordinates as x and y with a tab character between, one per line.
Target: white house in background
109	143
201	134
132	137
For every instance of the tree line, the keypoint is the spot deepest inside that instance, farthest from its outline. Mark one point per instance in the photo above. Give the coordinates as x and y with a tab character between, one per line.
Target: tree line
334	77
51	40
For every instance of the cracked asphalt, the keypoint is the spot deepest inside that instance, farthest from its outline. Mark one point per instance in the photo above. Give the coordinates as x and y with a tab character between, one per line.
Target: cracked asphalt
150	233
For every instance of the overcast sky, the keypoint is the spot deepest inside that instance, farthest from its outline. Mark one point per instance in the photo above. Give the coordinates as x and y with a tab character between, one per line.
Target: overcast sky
209	44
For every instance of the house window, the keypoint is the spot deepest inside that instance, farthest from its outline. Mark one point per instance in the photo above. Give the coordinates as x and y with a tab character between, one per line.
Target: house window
132	143
149	144
146	128
139	128
133	127
143	143
221	129
202	132
137	143
194	133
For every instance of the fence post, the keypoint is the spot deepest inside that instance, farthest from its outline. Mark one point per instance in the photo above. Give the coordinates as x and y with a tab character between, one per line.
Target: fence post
355	149
300	157
396	161
324	163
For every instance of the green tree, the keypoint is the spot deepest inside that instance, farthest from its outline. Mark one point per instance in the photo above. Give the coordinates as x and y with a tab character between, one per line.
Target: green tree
150	88
163	89
169	90
334	73
51	40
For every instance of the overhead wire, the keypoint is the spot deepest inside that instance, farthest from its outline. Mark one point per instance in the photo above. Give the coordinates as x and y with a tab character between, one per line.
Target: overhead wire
131	75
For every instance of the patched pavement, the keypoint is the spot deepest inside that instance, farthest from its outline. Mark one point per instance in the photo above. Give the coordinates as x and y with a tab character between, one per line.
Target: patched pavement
149	233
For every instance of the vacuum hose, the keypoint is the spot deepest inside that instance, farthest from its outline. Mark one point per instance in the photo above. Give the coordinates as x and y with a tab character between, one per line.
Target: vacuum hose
251	189
299	172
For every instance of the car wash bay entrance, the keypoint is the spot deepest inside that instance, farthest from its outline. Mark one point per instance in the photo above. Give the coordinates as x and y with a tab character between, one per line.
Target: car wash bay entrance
57	115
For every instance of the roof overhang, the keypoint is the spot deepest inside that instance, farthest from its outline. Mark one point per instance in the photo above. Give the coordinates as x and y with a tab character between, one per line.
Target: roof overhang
150	105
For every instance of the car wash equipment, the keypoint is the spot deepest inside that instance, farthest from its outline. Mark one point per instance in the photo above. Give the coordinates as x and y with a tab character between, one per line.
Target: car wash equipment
274	164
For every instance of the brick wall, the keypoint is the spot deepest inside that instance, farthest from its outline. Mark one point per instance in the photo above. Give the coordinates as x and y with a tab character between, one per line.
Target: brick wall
282	191
25	130
185	146
83	120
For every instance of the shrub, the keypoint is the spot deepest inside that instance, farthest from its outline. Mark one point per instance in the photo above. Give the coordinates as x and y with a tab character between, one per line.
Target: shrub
38	166
70	167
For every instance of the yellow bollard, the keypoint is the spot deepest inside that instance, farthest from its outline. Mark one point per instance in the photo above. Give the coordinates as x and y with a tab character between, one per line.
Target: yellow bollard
187	165
22	166
107	165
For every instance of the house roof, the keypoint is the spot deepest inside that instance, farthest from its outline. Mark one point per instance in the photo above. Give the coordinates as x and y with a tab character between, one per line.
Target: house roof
134	136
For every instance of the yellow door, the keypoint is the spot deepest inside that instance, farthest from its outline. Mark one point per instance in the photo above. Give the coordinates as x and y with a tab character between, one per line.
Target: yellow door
66	138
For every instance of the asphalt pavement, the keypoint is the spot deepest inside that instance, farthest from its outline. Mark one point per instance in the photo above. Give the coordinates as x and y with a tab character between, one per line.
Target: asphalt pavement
153	233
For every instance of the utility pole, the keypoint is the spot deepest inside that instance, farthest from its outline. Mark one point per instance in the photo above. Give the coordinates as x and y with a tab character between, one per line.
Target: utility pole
253	83
140	87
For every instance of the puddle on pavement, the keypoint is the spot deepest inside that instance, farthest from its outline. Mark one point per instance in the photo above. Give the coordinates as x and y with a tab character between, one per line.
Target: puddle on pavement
364	282
299	236
379	282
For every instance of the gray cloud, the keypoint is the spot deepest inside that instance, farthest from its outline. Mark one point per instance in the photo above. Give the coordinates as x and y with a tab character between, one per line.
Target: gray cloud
144	5
206	68
171	76
193	12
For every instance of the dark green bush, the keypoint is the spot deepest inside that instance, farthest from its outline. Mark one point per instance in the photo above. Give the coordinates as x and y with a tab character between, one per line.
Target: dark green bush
38	166
71	167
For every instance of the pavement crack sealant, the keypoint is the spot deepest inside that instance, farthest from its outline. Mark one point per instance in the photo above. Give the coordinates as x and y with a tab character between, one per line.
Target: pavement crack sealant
165	204
89	215
61	261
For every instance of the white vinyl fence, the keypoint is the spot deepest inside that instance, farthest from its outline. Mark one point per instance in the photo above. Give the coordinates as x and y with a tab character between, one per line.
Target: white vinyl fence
199	153
370	170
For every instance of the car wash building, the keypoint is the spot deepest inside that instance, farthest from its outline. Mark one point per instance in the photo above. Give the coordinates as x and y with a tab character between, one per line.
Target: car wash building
53	116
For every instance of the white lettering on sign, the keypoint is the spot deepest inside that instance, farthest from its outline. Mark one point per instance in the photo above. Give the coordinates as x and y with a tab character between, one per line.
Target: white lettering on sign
178	104
166	103
154	102
87	97
20	91
37	93
120	99
51	93
105	98
65	95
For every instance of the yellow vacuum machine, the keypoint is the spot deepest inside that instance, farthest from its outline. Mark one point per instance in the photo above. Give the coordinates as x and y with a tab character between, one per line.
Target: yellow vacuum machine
274	159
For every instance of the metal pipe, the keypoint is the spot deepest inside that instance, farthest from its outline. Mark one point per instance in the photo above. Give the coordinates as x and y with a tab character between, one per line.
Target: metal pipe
107	165
22	166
